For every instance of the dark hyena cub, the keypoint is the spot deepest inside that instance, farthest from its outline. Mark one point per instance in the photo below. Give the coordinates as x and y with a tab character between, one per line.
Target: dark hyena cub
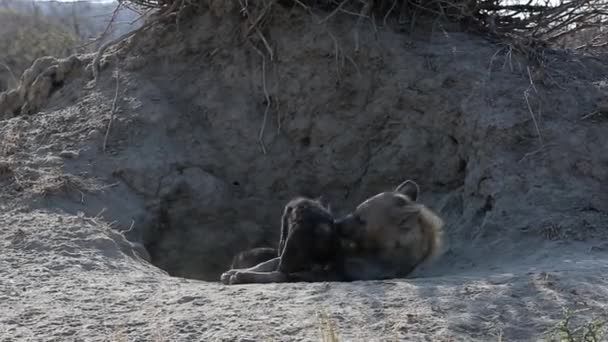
308	240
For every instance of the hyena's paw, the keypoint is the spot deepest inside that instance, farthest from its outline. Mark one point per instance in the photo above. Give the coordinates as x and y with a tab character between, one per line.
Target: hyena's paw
225	278
238	278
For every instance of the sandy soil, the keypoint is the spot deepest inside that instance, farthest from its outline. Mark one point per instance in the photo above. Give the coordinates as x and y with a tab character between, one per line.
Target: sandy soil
65	278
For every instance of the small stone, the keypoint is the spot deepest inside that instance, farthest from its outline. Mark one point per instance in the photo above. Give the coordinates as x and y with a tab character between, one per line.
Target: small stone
68	154
94	134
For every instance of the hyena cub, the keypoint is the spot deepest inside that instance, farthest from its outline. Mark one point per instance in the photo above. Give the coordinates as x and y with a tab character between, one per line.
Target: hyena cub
308	241
308	237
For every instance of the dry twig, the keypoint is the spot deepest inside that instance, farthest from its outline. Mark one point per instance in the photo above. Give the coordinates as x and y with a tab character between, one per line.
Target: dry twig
104	47
254	25
10	72
590	115
112	114
268	104
107	28
526	97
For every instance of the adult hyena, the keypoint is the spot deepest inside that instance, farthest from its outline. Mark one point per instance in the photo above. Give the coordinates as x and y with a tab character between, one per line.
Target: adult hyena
394	234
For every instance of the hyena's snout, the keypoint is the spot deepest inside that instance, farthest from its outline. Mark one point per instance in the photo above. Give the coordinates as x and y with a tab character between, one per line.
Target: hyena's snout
350	227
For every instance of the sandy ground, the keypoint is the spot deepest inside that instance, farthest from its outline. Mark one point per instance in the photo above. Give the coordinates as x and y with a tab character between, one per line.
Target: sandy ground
64	279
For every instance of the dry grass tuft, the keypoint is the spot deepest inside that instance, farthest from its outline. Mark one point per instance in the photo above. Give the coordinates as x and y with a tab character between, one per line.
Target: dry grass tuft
327	328
119	335
552	232
594	330
10	142
56	183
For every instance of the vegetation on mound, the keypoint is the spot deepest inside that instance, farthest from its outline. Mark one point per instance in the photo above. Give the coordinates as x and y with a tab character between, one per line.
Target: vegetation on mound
551	21
594	330
32	29
527	27
25	38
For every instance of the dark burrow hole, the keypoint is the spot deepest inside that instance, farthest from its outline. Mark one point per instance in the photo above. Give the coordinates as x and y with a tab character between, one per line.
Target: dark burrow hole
200	221
192	232
305	142
187	241
55	84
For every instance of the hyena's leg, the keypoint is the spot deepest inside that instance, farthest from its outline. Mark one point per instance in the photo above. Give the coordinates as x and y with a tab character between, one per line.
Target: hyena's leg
249	277
266	266
284	230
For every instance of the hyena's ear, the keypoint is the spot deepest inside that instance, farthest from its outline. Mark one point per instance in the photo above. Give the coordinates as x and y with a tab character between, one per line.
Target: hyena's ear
410	189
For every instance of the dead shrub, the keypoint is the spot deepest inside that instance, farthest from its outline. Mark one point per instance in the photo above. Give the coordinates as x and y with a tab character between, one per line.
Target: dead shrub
573	329
57	183
9	142
536	20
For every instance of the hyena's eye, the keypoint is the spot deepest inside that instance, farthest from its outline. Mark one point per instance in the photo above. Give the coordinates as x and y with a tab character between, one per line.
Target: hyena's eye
359	220
400	201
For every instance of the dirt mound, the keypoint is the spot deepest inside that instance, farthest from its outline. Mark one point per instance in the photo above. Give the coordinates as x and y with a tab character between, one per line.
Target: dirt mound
38	83
191	143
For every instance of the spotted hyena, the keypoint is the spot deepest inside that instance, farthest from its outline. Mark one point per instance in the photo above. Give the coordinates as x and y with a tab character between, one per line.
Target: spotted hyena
394	234
308	242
